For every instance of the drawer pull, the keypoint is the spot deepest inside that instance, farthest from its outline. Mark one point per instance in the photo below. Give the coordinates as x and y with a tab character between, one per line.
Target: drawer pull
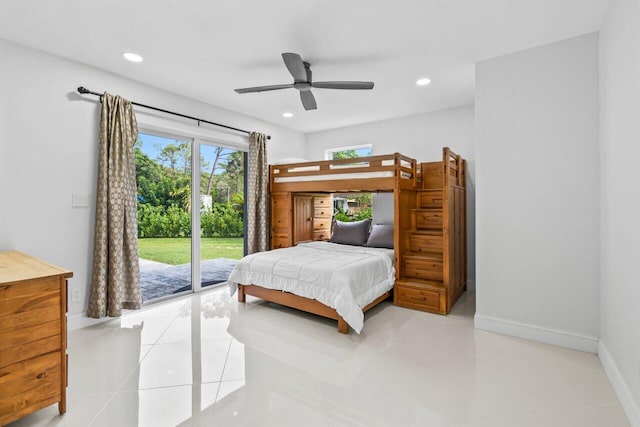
41	375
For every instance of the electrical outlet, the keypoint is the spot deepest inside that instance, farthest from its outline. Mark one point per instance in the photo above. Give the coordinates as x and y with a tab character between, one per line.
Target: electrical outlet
75	295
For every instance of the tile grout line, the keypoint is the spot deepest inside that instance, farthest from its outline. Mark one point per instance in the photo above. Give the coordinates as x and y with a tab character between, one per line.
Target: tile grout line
222	376
95	417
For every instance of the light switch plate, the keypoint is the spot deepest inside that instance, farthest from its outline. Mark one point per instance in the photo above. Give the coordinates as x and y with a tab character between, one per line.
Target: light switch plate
80	200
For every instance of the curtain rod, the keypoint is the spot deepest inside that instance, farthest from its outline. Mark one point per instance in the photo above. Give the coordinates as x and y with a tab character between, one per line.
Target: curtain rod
83	90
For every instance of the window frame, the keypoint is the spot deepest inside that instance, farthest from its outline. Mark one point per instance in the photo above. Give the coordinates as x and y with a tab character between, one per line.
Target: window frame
328	152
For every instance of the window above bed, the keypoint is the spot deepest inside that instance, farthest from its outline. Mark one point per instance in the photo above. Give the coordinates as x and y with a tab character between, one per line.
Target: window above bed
348	152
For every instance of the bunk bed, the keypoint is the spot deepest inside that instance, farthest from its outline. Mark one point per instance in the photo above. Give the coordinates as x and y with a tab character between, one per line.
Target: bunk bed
301	212
374	173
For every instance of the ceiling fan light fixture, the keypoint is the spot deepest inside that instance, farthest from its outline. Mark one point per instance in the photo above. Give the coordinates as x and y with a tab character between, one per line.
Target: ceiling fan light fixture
424	81
133	57
287	114
301	72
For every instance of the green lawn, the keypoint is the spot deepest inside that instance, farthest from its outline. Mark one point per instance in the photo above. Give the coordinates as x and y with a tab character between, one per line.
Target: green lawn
177	250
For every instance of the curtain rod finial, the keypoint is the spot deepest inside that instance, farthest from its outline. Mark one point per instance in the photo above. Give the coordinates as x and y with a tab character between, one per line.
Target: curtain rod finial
82	89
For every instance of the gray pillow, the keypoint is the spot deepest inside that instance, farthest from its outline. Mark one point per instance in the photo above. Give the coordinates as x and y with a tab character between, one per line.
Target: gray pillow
381	236
351	233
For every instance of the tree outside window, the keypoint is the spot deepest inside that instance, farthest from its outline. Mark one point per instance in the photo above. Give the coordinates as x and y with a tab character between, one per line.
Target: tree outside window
350	152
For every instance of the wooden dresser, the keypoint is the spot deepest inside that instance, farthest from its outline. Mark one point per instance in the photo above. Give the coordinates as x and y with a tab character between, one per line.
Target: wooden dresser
33	335
299	217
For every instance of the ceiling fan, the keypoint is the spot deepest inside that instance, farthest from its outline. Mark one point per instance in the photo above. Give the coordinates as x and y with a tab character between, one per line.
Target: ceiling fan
301	73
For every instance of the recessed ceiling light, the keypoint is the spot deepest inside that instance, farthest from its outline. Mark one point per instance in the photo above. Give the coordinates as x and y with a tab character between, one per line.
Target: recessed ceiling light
423	82
287	115
133	57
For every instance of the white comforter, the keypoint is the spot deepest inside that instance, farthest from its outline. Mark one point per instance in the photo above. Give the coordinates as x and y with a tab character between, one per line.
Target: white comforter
345	278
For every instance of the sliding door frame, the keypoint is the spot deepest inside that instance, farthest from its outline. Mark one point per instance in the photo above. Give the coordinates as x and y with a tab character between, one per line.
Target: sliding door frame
196	243
198	136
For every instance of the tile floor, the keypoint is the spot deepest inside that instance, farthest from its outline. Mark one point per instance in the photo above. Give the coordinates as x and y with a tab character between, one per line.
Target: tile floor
204	360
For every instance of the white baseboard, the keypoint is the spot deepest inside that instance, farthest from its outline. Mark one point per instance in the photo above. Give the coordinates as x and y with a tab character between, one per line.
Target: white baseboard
631	409
78	321
537	333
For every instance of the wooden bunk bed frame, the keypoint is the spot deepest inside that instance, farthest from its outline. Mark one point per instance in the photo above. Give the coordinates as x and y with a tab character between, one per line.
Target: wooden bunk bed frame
340	175
394	173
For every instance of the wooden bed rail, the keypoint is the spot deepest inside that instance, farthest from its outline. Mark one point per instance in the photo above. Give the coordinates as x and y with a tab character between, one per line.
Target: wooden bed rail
454	167
383	172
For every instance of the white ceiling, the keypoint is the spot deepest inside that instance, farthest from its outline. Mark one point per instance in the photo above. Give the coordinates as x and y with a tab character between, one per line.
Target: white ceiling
204	49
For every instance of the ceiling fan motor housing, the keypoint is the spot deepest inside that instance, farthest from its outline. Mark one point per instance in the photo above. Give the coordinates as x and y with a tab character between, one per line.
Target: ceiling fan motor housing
302	86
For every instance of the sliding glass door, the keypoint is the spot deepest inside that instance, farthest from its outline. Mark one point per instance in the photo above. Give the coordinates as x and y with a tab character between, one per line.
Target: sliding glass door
221	212
189	235
163	174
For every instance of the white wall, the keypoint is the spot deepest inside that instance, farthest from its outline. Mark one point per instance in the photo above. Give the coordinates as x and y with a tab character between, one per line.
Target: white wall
620	208
49	151
3	177
422	137
537	193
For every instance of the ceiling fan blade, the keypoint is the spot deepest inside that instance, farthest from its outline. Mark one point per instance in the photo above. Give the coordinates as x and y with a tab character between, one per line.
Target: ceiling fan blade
263	88
343	85
295	66
308	101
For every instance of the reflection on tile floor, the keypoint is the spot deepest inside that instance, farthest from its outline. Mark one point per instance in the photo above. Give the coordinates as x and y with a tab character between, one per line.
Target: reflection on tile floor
204	360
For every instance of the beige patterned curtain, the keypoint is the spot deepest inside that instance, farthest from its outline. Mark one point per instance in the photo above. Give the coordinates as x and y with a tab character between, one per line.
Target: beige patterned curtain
257	194
115	283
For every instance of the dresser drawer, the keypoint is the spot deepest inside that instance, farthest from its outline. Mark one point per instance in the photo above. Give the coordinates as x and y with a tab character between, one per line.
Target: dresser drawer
280	212
31	317
322	202
280	241
321	223
23	351
431	199
33	384
280	222
24	303
281	201
23	343
421	299
321	235
27	369
32	333
428	219
426	243
33	287
420	268
322	212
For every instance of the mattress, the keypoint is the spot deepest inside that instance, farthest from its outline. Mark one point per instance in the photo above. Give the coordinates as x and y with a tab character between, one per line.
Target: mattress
345	278
332	177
